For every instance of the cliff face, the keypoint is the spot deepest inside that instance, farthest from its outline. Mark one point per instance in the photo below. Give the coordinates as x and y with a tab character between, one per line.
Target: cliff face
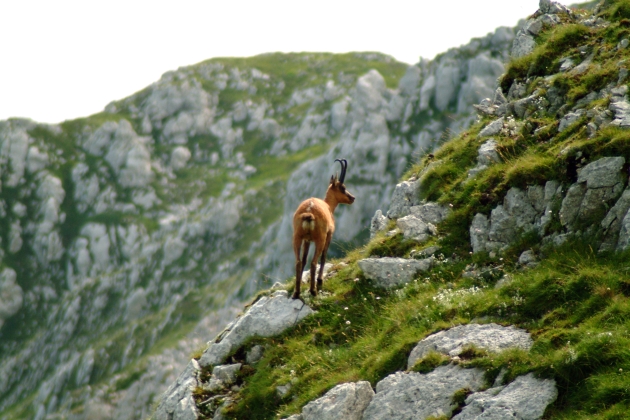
496	284
128	236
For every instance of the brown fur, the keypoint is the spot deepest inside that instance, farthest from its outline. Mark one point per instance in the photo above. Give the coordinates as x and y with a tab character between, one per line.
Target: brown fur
313	221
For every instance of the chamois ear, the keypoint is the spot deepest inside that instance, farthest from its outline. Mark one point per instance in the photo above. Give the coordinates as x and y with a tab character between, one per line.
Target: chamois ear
332	180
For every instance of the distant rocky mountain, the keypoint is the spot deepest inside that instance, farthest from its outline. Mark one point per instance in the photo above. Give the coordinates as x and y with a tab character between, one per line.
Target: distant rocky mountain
131	236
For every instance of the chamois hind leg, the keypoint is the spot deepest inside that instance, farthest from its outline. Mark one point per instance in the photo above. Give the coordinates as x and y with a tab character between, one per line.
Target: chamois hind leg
322	263
305	250
297	244
318	252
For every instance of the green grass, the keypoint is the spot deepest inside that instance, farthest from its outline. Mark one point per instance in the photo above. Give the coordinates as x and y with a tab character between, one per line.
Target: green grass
575	304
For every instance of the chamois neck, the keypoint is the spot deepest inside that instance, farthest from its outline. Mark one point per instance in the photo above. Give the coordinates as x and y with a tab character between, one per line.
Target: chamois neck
331	200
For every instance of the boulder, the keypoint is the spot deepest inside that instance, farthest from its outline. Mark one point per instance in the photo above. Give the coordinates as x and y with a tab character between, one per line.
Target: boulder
392	272
524	399
528	259
413	228
418	396
431	213
378	223
177	401
486	156
491	337
226	373
345	401
406	195
492	129
255	354
523	45
569	119
270	316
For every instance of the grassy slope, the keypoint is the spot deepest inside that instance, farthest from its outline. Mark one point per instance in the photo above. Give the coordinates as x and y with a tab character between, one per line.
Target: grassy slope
576	303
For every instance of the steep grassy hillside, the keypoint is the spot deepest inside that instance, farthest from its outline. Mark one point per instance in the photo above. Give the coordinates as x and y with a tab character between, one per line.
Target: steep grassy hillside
563	106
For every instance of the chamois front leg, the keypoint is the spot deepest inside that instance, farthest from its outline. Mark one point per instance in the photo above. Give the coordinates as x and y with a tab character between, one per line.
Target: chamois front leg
318	253
320	278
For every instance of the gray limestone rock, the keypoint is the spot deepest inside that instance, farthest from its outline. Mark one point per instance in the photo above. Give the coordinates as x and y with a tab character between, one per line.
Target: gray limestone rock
479	233
519	213
448	77
493	128
523	45
487	153
486	156
177	401
413	228
378	223
553	8
571	204
11	295
502	228
492	337
536	196
306	274
430	213
518	205
528	258
605	172
611	224
345	401
524	107
567	64
408	396
526	398
226	373
255	354
179	157
621	110
406	195
392	272
604	182
270	316
570	119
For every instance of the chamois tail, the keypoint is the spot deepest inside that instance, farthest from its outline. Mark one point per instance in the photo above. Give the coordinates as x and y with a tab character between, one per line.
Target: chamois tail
308	221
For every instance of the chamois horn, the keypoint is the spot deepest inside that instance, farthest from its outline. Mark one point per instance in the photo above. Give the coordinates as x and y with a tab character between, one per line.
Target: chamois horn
344	166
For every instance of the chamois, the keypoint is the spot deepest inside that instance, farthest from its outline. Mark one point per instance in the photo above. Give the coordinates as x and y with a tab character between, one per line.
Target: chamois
313	221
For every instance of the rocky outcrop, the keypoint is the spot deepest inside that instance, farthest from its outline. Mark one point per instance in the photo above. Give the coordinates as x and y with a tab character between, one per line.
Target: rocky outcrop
526	398
491	337
269	316
345	401
599	187
415	395
392	272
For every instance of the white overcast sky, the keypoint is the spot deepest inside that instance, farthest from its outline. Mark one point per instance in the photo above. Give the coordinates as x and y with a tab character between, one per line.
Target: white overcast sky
64	59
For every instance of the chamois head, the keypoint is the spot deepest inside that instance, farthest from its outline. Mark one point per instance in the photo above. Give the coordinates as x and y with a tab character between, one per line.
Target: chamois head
337	187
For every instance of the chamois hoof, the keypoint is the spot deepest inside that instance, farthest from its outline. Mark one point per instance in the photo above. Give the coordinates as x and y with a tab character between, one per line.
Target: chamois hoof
296	295
313	292
320	284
